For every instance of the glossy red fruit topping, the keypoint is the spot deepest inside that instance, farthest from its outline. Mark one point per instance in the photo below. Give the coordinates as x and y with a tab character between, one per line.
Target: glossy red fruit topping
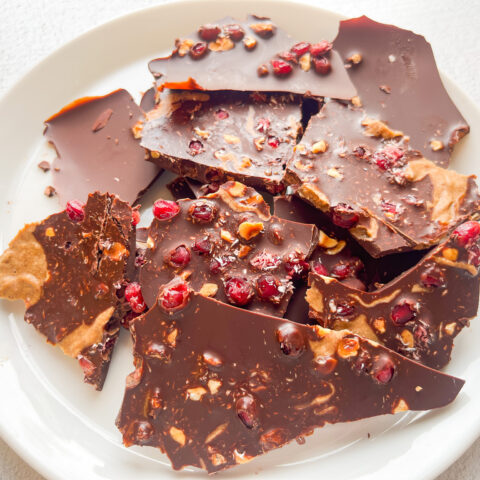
180	257
288	57
75	210
296	266
320	48
222	114
344	216
322	65
87	366
433	277
165	209
174	296
265	261
263	125
234	31
247	411
319	268
383	370
291	340
133	295
268	288
300	48
387	157
135	217
219	264
346	269
203	246
238	291
466	233
281	68
198	50
202	212
274	142
209	32
195	147
474	255
403	312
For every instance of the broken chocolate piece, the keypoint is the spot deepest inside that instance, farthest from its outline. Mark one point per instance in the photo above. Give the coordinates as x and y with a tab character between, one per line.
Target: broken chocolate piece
148	100
419	313
97	150
228	246
66	269
44	165
390	197
218	136
402	64
227	65
249	383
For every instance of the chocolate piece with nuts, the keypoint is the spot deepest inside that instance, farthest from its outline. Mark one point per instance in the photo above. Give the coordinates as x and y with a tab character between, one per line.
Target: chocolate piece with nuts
419	313
97	149
229	247
250	383
218	136
390	197
401	63
251	55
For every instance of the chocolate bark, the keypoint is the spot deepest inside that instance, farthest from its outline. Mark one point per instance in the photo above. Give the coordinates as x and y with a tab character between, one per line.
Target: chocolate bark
364	175
225	236
419	313
398	82
249	383
227	62
97	150
218	136
67	272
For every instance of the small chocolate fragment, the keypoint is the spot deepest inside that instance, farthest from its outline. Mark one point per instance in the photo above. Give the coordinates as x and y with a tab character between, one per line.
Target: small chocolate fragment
66	269
49	191
234	67
401	64
216	386
419	313
97	149
44	165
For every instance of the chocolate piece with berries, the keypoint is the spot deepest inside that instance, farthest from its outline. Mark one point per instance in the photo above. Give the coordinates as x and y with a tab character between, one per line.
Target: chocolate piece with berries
97	149
395	74
229	247
217	136
67	270
252	55
366	177
419	313
250	383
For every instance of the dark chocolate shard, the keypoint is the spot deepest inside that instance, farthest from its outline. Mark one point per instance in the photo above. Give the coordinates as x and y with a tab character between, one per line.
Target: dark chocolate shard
67	272
216	386
398	82
217	136
229	247
227	62
419	313
97	150
363	173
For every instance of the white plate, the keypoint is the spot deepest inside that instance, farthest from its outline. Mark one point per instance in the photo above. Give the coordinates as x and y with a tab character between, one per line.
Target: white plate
64	428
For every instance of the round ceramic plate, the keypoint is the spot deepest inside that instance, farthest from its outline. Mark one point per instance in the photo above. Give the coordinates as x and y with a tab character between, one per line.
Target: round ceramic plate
64	428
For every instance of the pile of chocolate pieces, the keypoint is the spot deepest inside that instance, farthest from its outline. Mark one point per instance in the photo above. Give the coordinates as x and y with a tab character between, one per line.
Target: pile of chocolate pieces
252	328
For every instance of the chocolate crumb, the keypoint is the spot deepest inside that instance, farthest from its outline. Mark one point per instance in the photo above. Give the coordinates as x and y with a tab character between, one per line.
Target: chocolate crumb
50	191
385	88
44	165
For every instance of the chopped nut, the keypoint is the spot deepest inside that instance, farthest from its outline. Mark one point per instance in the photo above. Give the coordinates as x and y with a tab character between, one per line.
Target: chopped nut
407	338
172	338
50	232
379	325
216	432
137	129
305	62
264	30
154	154
246	163
224	156
214	386
348	347
248	230
418	388
221	44
196	393
49	191
150	242
325	241
241	457
237	189
401	406
217	459
116	251
320	147
376	128
450	328
262	70
337	249
356	102
259	142
44	165
184	46
231	139
227	236
244	251
356	58
334	173
201	133
212	359
249	43
177	435
385	88
436	145
300	148
450	254
209	289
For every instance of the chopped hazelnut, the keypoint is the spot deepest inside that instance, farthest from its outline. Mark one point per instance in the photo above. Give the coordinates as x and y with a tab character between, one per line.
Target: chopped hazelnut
209	289
244	251
249	43
379	325
50	232
407	338
214	386
177	435
356	102
183	47
227	236
221	44
450	254
259	142
201	133
248	230
356	58
450	328
231	139
320	147
263	30
325	241
436	145
196	393
305	62
137	130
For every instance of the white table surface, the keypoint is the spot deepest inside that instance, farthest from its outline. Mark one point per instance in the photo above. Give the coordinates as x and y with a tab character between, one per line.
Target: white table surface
32	29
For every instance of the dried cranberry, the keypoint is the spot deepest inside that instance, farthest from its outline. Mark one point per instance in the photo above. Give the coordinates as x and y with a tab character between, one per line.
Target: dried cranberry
222	114
433	277
209	32
234	31
344	309
246	408
135	217
466	233
87	366
265	261
165	209
219	264
268	288
203	246
292	342
346	269
474	255
174	296
322	65
198	50
180	257
274	142
202	212
281	68
195	147
383	370
263	125
344	216
403	312
296	266
75	210
238	290
319	268
133	295
320	48
387	157
300	48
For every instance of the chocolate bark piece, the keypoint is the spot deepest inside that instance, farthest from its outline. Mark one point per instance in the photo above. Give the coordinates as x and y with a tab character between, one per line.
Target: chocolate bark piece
97	149
182	187
363	173
419	313
67	272
218	136
229	247
227	63
215	386
397	76
149	99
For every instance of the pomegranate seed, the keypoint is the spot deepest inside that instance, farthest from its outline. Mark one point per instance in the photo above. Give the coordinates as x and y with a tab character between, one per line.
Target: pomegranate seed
219	264
295	266
322	65
343	270
466	233
474	256
281	68
344	309
222	114
387	157
133	295
203	246
247	411
195	147
87	366
383	370
234	31
403	313
344	216
165	209
267	287
300	48
209	32
263	125
265	261
274	142
319	268
198	50
175	296
135	217
238	291
320	48
180	257
433	277
291	340
202	212
75	210
262	70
